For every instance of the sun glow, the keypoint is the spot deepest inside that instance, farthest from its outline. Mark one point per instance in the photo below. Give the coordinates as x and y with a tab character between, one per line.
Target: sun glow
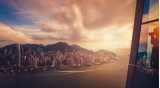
110	38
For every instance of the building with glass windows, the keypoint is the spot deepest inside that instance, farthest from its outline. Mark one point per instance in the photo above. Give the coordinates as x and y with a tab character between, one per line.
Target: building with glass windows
143	69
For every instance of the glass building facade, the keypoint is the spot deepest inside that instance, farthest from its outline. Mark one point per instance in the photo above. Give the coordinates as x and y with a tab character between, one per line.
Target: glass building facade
149	25
143	69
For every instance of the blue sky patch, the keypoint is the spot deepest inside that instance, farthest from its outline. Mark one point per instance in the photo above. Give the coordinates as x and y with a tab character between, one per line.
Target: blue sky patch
8	14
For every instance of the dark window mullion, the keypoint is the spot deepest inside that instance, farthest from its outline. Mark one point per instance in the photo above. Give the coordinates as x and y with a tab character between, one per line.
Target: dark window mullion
150	21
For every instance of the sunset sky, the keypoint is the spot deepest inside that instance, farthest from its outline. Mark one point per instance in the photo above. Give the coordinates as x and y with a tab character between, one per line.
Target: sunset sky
92	24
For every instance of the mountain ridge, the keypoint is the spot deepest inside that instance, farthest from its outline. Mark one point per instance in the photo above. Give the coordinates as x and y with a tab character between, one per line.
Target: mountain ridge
58	54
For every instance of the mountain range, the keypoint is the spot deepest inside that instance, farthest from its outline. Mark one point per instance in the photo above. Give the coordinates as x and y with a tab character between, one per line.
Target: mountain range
58	53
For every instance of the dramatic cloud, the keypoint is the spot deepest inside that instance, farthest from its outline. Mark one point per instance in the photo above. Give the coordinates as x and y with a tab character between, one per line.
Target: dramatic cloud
94	12
93	24
107	12
9	34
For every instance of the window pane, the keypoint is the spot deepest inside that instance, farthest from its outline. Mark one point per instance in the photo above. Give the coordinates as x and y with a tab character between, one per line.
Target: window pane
142	51
151	10
154	9
146	44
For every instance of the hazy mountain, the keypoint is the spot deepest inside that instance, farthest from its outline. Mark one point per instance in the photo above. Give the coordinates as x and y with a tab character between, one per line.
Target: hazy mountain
61	52
60	46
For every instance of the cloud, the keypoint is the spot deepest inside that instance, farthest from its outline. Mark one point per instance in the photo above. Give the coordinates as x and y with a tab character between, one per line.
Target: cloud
22	35
42	37
91	23
95	13
7	33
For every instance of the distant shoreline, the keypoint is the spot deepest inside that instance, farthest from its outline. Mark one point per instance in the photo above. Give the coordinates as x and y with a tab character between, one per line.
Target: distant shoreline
57	71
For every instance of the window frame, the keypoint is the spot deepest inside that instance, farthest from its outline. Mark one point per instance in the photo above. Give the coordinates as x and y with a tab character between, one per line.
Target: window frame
132	67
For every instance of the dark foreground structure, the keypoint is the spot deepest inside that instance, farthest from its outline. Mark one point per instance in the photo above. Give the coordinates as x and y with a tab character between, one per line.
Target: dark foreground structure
143	71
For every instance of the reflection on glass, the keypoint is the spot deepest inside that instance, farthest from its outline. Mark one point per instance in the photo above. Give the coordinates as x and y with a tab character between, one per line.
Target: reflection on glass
142	51
151	10
155	47
148	45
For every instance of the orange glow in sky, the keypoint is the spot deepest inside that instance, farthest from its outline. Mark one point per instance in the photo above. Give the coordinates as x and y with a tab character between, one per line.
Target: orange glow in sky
92	24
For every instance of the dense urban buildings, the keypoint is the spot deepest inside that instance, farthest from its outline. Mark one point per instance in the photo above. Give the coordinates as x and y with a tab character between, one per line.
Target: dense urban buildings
51	56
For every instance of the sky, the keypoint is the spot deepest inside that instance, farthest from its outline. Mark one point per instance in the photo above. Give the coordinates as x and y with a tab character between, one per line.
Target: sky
92	24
